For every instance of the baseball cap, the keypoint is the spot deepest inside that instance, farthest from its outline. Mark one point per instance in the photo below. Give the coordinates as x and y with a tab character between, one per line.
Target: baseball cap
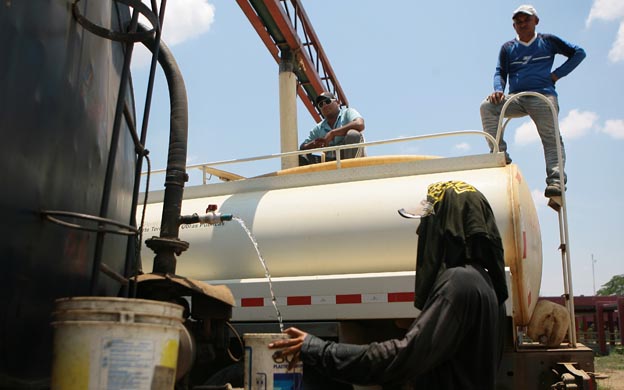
323	96
525	9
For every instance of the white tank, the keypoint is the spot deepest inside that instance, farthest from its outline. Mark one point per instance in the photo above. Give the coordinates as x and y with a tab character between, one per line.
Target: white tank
314	221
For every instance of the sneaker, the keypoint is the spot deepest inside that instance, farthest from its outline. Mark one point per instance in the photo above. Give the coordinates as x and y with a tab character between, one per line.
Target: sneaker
507	158
553	189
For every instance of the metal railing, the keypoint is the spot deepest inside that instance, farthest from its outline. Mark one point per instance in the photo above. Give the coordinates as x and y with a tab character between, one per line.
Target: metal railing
206	168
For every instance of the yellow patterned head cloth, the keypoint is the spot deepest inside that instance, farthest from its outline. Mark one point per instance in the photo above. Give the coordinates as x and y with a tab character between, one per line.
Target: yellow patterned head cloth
435	191
435	194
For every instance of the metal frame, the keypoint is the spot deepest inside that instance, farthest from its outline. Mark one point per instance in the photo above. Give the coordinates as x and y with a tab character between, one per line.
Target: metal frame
206	167
560	208
131	34
284	25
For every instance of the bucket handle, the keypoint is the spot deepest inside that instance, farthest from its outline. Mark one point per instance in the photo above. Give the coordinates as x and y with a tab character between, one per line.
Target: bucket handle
240	340
126	317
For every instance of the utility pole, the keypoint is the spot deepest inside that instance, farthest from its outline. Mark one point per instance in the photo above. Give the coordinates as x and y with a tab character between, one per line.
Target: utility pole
593	261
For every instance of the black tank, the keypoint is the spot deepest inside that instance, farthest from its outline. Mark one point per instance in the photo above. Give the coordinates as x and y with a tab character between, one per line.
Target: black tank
58	93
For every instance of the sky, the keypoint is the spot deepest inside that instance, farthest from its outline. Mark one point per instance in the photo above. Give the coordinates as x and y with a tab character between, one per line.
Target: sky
413	68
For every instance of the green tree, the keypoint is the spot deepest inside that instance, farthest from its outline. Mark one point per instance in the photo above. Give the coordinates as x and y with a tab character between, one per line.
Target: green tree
615	286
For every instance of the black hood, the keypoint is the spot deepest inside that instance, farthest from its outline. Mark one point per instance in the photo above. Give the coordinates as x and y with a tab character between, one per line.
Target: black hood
461	230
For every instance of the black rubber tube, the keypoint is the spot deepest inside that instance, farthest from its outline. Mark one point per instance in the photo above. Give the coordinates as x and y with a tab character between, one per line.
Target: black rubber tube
169	244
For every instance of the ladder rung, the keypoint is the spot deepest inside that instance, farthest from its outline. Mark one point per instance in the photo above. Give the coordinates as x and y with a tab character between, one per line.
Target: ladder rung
555	203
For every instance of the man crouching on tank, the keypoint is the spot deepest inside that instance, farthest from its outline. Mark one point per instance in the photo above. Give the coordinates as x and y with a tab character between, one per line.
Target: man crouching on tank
460	289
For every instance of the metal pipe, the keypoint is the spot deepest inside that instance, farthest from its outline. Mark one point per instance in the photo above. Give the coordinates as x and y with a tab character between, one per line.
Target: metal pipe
288	107
133	247
125	76
168	245
563	215
479	133
211	218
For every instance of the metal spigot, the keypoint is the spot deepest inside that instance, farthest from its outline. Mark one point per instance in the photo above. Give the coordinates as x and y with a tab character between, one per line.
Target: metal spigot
211	217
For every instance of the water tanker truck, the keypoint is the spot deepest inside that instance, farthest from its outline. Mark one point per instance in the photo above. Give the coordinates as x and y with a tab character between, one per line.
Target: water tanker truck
340	258
342	261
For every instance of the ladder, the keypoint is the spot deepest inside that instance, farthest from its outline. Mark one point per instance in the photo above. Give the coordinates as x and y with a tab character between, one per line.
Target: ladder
557	203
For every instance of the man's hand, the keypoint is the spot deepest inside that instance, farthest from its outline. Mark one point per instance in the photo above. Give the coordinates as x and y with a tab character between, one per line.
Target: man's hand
329	137
496	97
291	346
317	143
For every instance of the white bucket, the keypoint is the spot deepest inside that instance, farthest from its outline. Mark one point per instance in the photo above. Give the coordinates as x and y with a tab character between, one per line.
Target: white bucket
265	372
107	343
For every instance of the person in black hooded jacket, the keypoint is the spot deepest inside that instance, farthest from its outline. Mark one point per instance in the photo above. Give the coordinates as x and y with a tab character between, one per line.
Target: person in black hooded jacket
460	288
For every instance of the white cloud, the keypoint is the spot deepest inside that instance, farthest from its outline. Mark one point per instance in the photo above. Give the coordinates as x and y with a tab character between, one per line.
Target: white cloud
610	10
184	20
539	199
606	10
616	53
191	159
409	149
615	128
526	133
577	123
464	146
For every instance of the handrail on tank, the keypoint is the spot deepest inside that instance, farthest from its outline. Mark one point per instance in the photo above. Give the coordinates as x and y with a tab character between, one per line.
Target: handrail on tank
203	166
563	215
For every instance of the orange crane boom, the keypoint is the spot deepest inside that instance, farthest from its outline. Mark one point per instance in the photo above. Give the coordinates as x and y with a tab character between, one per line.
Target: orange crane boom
283	25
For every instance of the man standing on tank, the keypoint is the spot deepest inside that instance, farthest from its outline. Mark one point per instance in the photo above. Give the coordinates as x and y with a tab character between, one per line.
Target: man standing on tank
526	62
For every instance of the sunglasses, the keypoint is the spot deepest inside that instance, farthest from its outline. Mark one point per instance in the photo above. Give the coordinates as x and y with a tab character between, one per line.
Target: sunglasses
323	102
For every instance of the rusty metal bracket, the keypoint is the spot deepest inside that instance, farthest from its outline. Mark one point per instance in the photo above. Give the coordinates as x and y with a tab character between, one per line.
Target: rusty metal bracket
573	378
130	36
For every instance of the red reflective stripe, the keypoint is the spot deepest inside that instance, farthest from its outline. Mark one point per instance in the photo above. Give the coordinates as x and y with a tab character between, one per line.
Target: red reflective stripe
296	301
306	300
401	297
348	298
248	302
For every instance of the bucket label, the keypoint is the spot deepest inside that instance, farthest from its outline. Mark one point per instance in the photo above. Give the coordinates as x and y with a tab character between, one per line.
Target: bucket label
126	364
266	369
288	381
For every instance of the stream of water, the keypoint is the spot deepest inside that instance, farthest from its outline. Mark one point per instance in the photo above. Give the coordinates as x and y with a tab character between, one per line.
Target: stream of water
266	269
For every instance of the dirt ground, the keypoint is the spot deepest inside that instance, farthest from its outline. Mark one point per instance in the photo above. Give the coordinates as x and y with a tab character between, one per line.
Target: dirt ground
612	369
615	380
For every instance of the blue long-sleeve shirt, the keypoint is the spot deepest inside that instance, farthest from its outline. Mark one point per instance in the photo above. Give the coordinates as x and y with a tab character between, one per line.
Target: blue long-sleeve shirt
528	66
